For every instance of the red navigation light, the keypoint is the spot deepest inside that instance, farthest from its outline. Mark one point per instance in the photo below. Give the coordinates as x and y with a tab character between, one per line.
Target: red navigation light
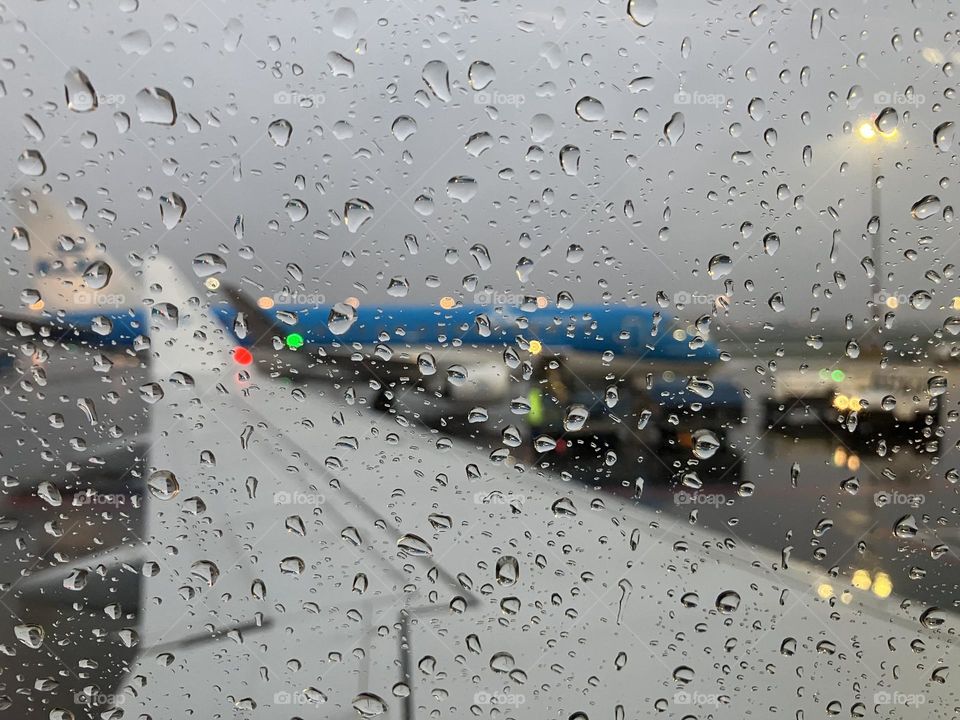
242	356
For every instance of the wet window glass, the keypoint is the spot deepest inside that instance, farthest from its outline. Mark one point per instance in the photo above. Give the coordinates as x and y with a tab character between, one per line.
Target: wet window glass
464	359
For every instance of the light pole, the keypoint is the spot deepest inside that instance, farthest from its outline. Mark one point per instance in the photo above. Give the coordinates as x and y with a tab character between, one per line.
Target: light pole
869	133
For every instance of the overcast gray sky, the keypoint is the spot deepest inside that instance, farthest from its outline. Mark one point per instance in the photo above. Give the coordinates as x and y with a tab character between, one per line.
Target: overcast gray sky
755	84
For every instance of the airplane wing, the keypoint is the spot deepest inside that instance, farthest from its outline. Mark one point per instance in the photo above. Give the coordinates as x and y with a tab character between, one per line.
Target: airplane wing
315	558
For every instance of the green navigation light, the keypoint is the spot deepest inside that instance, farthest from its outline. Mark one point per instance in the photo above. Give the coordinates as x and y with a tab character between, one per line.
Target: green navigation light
294	341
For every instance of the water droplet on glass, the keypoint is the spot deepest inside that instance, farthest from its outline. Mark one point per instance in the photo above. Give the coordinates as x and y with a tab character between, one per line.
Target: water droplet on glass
642	12
341	318
172	209
570	159
414	545
943	136
207	264
81	97
280	132
674	128
437	77
575	418
887	120
461	188
403	127
816	23
31	163
480	74
719	266
728	601
155	105
97	274
30	635
508	570
297	210
705	444
369	705
163	485
925	207
590	109
356	212
206	571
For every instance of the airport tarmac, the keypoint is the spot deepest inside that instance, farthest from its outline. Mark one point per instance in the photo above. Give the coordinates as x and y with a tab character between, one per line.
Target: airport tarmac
790	500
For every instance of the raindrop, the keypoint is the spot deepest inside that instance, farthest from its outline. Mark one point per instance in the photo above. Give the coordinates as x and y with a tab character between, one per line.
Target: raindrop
575	418
292	565
345	23
925	207
207	264
719	266
590	109
642	12
97	274
937	385
437	77
480	74
508	570
155	105
570	159
20	240
81	97
280	132
31	163
728	601
206	571
355	213
674	128
163	485
172	209
403	127
369	705
816	23
414	545
341	318
943	136
297	210
887	120
461	188
906	527
930	618
30	635
771	243
705	444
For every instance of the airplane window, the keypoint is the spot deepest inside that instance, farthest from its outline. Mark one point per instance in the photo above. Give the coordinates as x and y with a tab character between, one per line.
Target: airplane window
411	360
